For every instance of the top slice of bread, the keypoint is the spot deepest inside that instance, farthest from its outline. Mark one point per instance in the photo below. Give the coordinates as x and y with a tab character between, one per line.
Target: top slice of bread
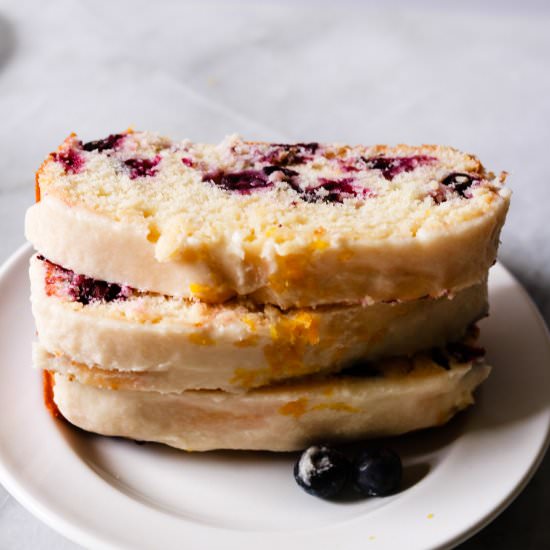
293	225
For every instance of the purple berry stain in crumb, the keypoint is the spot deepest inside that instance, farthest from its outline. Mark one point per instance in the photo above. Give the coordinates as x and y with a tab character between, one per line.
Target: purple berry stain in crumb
459	182
334	191
87	290
347	166
286	154
287	173
456	183
242	182
188	162
392	166
110	142
80	288
142	167
337	189
71	160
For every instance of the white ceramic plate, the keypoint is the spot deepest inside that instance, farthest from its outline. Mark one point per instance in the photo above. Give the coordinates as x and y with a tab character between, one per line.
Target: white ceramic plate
112	493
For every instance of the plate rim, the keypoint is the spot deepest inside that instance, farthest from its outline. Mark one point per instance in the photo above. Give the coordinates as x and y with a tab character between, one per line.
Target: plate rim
537	460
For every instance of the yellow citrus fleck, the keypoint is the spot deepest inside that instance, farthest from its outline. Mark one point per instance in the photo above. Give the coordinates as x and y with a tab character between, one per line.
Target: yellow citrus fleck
249	322
207	293
294	408
245	378
319	244
247	342
201	339
336	406
291	336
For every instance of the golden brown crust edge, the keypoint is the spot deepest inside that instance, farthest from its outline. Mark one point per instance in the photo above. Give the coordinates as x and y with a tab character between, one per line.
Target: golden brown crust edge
41	168
48	383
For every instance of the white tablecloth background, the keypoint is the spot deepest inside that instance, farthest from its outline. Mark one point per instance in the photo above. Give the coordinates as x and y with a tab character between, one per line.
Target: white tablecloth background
470	74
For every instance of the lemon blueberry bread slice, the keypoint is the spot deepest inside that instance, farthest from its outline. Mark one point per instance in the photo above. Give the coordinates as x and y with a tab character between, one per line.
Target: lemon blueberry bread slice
122	337
388	397
294	225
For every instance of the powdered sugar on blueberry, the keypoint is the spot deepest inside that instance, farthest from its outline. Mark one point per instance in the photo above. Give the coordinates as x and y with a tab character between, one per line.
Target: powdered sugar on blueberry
322	471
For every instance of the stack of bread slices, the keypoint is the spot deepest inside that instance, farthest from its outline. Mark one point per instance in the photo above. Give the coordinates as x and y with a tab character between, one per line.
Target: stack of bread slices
260	295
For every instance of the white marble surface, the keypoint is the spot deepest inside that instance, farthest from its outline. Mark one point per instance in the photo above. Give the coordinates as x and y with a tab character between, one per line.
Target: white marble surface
473	75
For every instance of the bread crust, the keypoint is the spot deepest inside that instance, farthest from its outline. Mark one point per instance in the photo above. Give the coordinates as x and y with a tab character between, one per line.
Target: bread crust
48	383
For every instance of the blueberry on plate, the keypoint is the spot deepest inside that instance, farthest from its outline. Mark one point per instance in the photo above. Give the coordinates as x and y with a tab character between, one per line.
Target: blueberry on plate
322	471
377	472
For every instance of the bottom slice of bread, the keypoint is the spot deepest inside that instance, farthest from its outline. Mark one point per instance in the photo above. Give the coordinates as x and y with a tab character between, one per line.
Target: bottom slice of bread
388	398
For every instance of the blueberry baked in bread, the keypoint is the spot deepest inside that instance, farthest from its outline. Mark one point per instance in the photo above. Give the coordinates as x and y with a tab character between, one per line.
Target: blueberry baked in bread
292	225
173	344
254	295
